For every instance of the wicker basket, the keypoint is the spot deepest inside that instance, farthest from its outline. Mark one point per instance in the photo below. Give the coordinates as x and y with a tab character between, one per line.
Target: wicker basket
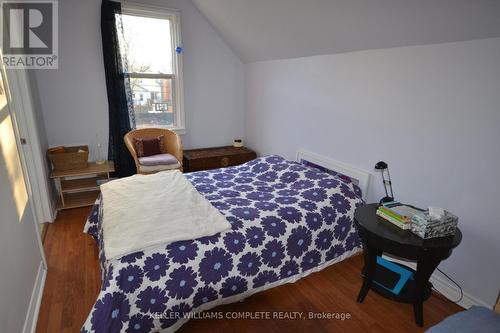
69	158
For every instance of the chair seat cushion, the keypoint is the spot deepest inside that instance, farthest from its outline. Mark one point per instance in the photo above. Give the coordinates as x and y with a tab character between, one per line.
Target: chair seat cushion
158	159
145	169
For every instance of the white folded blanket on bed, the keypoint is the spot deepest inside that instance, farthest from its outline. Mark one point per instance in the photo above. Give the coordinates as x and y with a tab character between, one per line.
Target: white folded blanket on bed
146	210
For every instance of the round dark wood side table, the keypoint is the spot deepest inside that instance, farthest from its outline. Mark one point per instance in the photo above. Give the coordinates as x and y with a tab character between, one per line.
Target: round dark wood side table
379	236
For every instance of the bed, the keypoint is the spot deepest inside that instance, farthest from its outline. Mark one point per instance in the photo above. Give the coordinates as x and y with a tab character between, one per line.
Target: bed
287	219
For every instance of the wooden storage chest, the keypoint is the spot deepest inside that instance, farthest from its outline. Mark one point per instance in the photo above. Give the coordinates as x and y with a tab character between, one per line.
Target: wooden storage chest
218	157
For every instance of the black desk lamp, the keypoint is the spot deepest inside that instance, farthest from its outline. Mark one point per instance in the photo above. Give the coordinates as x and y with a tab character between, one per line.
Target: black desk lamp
384	168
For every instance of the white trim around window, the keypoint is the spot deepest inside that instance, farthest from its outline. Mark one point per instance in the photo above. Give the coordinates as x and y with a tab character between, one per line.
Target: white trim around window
173	15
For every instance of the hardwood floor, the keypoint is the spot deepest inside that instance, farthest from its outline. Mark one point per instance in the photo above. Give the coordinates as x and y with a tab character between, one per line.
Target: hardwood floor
73	282
73	277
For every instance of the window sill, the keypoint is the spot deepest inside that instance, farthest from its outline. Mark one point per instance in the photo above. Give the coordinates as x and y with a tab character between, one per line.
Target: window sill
178	130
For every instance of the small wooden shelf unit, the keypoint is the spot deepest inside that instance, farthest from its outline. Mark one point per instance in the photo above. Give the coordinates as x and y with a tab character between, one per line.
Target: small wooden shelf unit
81	191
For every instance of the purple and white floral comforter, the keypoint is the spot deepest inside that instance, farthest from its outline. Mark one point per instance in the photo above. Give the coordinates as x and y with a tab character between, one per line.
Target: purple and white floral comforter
288	220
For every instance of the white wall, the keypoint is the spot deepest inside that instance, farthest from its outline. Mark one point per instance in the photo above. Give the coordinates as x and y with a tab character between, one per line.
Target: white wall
74	100
431	112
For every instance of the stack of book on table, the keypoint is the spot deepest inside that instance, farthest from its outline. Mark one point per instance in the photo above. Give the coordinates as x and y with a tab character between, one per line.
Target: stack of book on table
397	213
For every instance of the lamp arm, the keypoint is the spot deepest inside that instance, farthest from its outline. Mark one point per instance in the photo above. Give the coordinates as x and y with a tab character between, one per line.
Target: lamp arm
384	182
390	183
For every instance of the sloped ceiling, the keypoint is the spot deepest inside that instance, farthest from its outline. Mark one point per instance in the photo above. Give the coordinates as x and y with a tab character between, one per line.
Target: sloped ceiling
276	29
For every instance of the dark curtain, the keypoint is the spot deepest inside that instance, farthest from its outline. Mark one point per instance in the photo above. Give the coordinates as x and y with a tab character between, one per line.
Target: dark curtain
119	122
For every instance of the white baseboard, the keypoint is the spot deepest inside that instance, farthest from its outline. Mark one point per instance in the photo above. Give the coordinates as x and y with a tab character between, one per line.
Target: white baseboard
446	287
35	301
54	211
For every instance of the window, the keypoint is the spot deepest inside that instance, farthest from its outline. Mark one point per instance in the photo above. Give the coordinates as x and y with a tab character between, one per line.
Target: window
150	48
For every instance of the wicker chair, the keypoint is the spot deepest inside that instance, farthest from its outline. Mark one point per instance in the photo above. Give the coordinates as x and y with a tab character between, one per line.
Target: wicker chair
172	142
